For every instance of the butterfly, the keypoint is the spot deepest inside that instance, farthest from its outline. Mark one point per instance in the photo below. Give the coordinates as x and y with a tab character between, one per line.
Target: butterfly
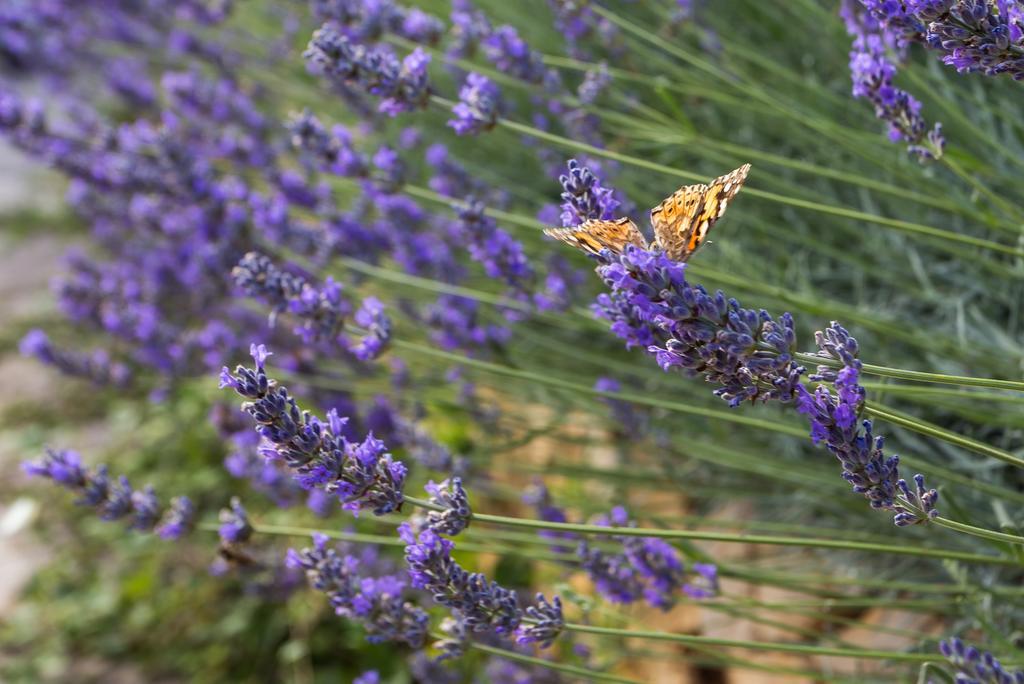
681	222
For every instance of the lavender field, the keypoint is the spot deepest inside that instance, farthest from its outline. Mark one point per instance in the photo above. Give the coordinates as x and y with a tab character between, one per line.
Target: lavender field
536	341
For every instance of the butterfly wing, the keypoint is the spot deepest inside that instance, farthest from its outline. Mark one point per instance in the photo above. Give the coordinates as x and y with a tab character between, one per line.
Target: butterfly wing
594	235
682	222
673	220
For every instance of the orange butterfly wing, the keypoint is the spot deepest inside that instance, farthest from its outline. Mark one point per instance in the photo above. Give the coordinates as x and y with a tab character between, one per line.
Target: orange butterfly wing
682	222
594	235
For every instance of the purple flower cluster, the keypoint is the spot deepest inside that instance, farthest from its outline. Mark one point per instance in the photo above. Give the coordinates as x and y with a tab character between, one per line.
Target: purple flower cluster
751	355
985	36
545	624
404	85
377	326
369	21
873	72
114	500
973	667
477	604
97	366
511	55
835	421
332	150
455	324
448	176
61	39
595	81
374	602
360	474
501	255
166	224
478	106
651	305
245	461
368	677
235	527
578	22
323	311
648	568
482	605
456	515
583	197
469	28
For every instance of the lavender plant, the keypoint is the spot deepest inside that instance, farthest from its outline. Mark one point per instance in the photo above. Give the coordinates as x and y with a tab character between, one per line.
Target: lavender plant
360	186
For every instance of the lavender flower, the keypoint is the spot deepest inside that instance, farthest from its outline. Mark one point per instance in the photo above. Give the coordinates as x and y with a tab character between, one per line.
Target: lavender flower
332	150
500	254
420	27
594	83
456	638
483	605
449	177
369	21
545	622
511	55
371	317
648	568
703	581
423	668
750	354
478	106
323	311
583	197
268	478
747	352
973	667
178	520
113	500
972	35
96	367
455	324
368	677
374	602
390	170
469	28
834	420
361	474
456	515
872	73
683	11
404	86
235	527
613	577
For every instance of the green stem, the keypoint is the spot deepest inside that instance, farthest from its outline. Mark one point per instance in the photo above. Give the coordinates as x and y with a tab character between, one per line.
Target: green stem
725	537
924	428
918	376
911	390
977	531
588	675
754	645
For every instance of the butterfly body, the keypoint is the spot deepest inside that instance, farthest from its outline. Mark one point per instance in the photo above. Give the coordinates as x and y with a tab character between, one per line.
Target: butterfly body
681	222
